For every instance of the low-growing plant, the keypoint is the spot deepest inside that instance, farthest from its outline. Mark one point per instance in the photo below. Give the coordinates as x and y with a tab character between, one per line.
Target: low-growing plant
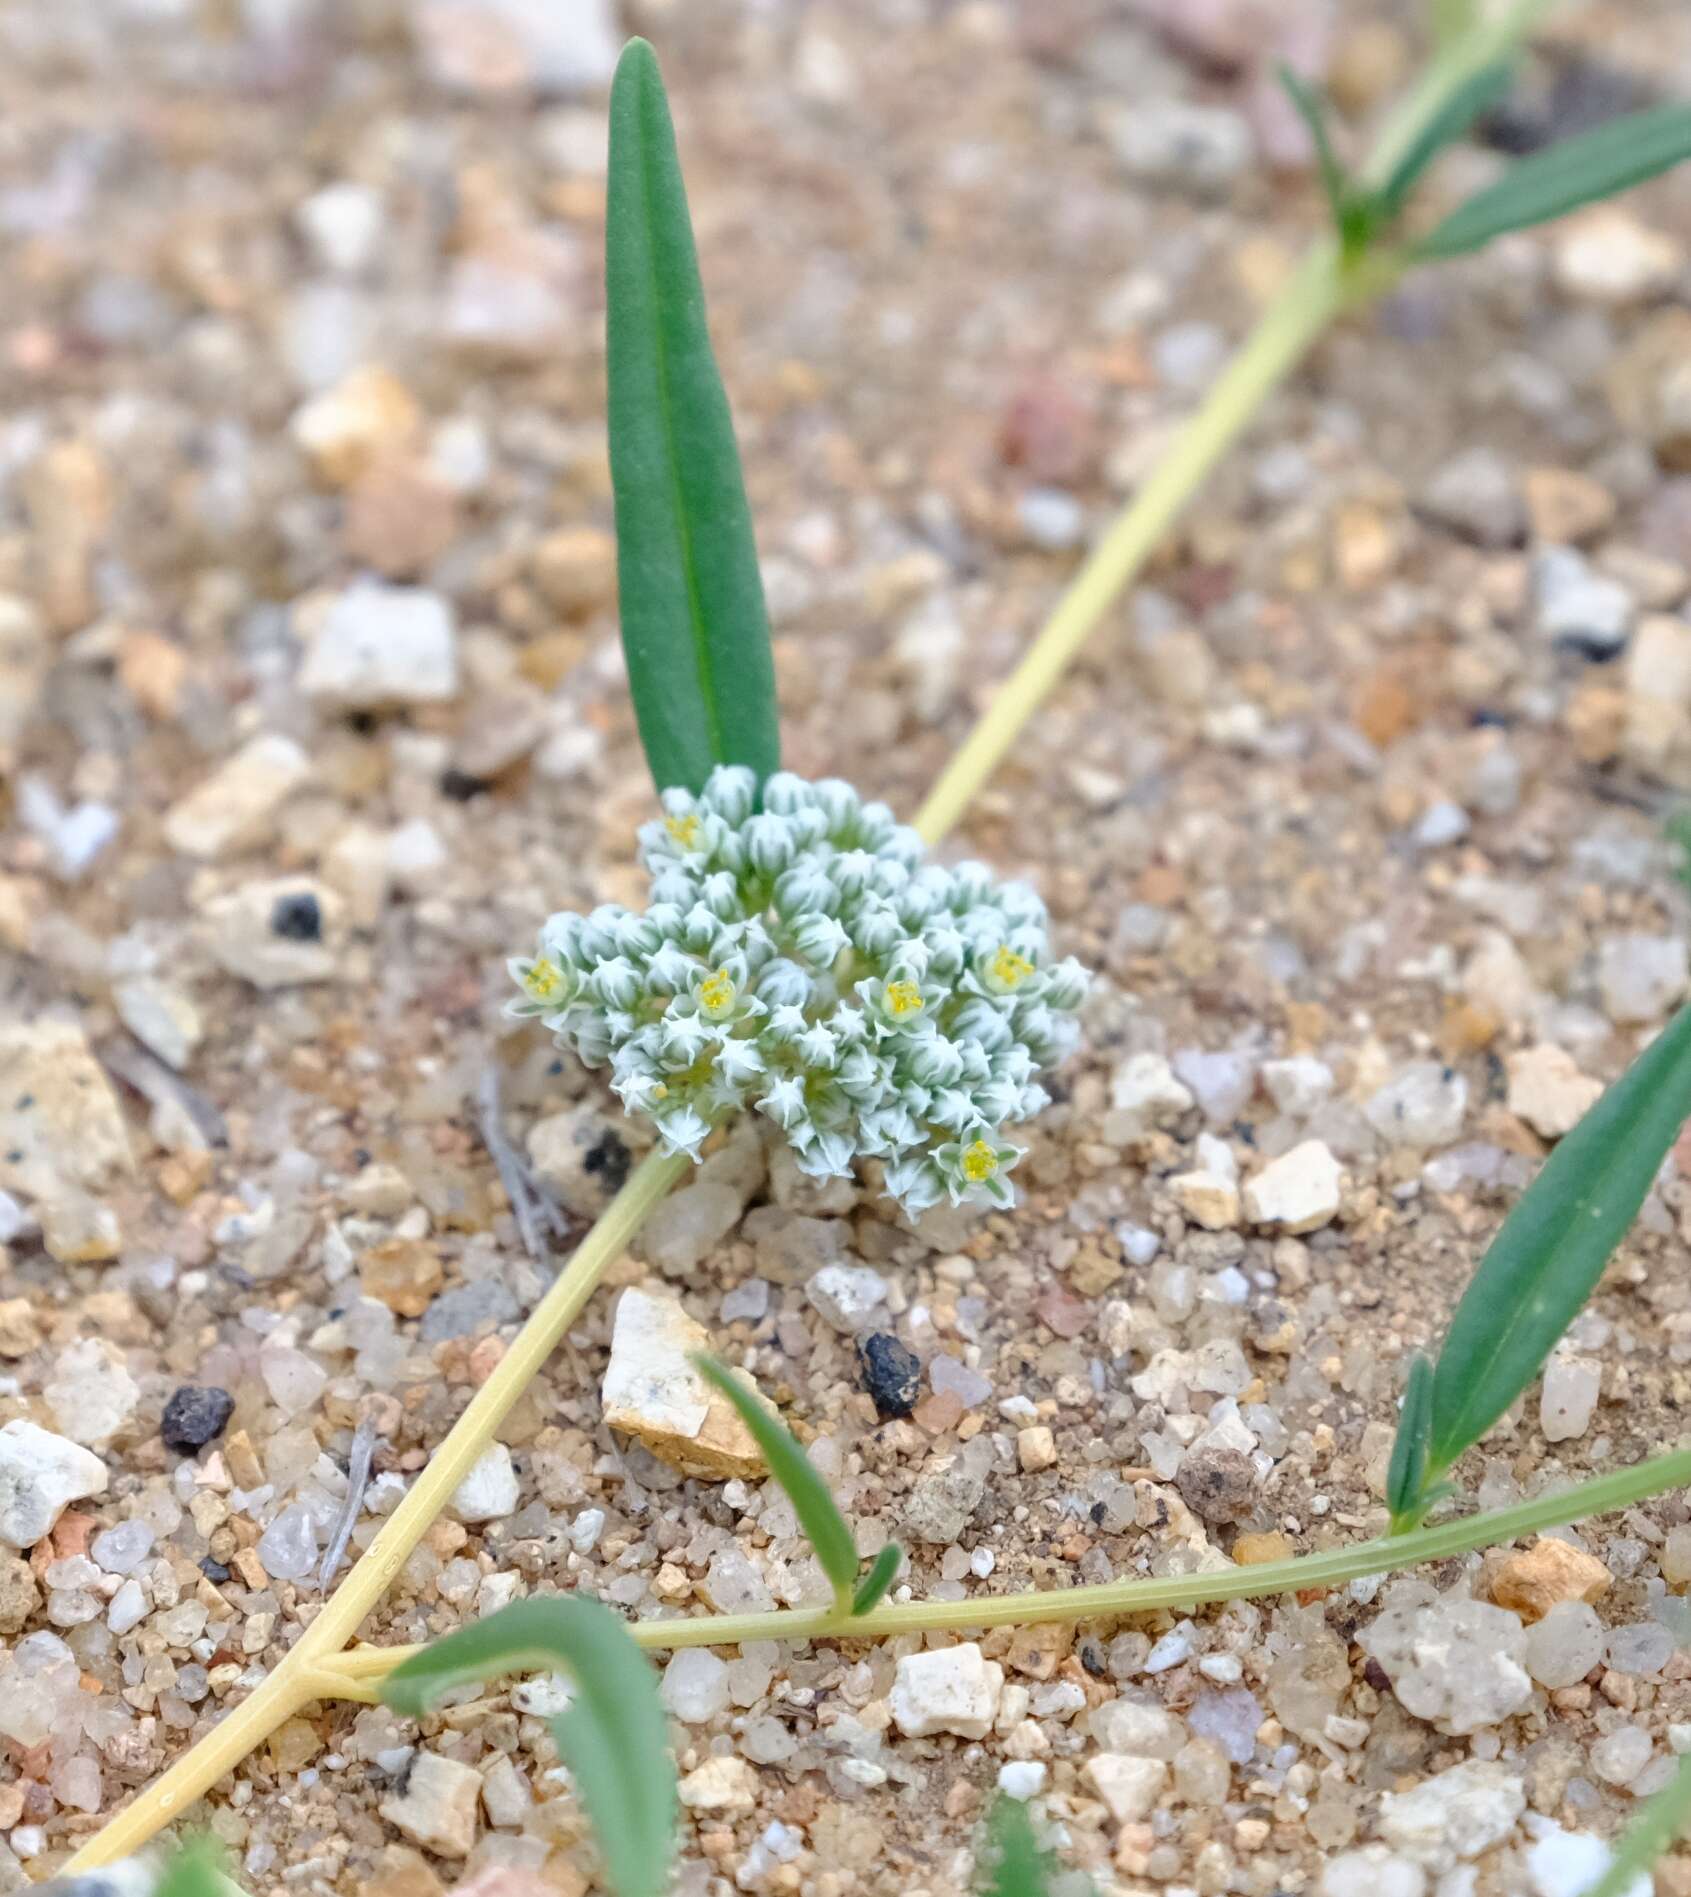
801	959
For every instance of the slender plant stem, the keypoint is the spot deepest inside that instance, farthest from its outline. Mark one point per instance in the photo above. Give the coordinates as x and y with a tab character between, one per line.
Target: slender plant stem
1319	290
301	1676
1311	298
357	1672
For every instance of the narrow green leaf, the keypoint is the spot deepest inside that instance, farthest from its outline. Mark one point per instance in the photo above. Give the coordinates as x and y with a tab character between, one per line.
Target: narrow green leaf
694	627
1580	170
1453	120
820	1519
1333	180
879	1578
613	1737
198	1868
1549	1254
1407	1474
1661	1821
1019	1867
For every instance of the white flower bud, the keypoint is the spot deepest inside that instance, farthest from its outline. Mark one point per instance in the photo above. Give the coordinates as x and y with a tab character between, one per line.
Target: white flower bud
839	803
783	1101
876	932
682	1129
932	1060
784	793
729	792
804	890
769	843
615	983
720	896
819	939
1066	985
783	984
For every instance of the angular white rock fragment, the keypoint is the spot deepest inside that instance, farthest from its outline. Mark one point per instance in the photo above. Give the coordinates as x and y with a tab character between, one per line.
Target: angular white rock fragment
1129	1786
1457	1663
91	1393
1421	1105
1371	1872
1548	1091
695	1686
1297	1085
1137	1728
1296	1192
1218	1367
383	645
1567	1399
950	1689
652	1391
721	1784
40	1476
847	1296
1454	1816
488	1493
1145	1090
435	1804
233	808
1570	1863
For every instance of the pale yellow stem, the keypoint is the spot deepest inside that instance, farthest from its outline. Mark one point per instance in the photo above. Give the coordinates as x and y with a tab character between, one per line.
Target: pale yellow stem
300	1676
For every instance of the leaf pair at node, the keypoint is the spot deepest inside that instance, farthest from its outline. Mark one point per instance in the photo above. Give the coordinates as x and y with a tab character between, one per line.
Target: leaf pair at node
1596	165
855	1591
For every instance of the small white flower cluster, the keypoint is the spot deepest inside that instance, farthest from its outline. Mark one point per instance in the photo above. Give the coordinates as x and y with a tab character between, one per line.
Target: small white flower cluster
804	961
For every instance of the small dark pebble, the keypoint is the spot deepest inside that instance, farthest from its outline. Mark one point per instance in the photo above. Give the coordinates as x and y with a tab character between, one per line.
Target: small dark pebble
214	1571
297	918
892	1373
193	1416
610	1158
459	785
1094	1659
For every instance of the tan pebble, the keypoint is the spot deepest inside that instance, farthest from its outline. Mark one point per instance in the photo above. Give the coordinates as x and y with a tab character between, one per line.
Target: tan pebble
652	1391
402	1873
20	1329
1036	1448
293	1745
1548	1091
402	1273
1565	507
1533	1581
575	570
1251	1551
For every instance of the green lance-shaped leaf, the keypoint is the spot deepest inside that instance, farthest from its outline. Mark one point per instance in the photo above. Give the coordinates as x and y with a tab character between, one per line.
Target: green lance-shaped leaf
882	1572
694	627
1551	1250
613	1737
818	1514
198	1868
1334	182
1578	171
1453	120
1019	1867
1407	1474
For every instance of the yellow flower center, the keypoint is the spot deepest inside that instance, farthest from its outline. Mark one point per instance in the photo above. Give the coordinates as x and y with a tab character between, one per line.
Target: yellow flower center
979	1162
903	997
1009	969
684	829
716	993
544	981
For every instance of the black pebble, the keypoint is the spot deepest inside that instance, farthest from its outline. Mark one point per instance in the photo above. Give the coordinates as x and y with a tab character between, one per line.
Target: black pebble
214	1571
891	1373
193	1416
297	918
